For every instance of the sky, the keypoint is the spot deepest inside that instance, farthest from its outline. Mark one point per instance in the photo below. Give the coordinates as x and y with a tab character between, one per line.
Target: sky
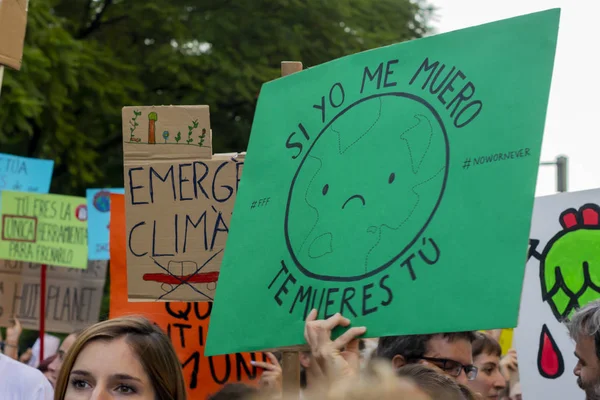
571	125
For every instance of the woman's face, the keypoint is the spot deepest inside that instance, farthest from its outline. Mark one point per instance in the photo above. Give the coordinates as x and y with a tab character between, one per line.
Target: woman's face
489	382
108	370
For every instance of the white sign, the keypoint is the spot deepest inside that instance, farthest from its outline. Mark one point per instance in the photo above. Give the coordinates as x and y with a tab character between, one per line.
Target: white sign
563	262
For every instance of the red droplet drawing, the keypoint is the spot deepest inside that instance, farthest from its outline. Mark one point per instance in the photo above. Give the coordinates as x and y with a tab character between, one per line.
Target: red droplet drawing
550	361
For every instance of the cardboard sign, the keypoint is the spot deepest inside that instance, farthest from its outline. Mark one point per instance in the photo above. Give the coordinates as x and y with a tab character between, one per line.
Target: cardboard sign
98	205
13	21
185	323
562	274
44	228
25	174
179	200
376	184
73	296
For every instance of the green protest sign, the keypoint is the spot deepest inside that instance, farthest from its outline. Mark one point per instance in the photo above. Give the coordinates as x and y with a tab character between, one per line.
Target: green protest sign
395	186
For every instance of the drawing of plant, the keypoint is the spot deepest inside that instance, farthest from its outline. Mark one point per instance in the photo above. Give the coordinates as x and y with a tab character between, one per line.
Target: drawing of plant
152	118
133	124
190	131
166	136
178	137
201	137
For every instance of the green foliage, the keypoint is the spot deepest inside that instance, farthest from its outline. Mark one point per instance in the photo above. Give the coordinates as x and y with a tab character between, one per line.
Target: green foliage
86	59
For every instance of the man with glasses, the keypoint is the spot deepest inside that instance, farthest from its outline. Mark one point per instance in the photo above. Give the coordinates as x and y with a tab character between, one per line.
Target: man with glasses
449	352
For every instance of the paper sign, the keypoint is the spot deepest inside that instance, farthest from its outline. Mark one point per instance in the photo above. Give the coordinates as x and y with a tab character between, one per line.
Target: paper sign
179	201
73	296
51	344
185	323
562	274
44	228
506	340
98	205
389	185
25	174
13	21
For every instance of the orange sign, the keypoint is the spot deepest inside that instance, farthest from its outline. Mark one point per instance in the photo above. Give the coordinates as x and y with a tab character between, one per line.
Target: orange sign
185	323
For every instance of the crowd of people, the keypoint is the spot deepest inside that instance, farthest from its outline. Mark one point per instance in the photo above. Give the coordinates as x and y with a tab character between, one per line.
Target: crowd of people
133	358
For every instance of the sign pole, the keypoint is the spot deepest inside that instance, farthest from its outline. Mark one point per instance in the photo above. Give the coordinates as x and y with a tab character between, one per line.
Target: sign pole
290	362
1	77
42	310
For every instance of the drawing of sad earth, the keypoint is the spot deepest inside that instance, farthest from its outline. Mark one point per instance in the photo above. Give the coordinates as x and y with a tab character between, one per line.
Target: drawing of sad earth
349	216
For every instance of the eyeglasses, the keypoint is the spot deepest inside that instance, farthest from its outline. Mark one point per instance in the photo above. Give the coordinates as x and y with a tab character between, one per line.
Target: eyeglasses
452	368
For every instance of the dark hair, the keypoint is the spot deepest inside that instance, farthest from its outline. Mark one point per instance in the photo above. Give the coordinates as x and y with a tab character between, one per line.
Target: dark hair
433	383
485	344
46	363
234	391
413	347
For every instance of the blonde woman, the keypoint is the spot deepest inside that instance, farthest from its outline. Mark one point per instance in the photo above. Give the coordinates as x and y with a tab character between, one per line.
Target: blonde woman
121	358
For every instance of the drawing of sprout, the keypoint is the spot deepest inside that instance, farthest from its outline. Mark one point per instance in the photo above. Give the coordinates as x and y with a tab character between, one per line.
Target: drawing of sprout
201	137
190	131
133	124
166	136
178	137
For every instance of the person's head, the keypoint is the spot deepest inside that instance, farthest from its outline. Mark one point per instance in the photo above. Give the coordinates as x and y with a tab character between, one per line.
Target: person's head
121	357
432	382
376	382
451	352
56	364
489	382
584	328
43	367
235	391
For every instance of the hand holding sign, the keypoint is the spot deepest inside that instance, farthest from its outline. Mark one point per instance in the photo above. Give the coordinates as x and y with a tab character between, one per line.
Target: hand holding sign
337	358
271	378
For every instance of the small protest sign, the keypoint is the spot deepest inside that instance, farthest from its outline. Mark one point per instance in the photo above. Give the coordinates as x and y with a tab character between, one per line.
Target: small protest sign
13	21
25	174
179	200
98	205
378	184
562	274
44	228
73	296
186	323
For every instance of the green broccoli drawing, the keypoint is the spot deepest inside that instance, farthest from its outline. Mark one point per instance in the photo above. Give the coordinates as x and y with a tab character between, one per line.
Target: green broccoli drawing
570	262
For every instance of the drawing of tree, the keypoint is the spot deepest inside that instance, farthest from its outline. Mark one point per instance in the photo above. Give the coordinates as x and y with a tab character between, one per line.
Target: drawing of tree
166	136
178	137
152	118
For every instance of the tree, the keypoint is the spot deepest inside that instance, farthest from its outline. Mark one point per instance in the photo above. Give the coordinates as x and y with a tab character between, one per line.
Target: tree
86	59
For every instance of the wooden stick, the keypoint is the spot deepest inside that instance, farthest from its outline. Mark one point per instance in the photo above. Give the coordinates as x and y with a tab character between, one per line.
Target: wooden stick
290	362
1	76
42	310
290	67
290	369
